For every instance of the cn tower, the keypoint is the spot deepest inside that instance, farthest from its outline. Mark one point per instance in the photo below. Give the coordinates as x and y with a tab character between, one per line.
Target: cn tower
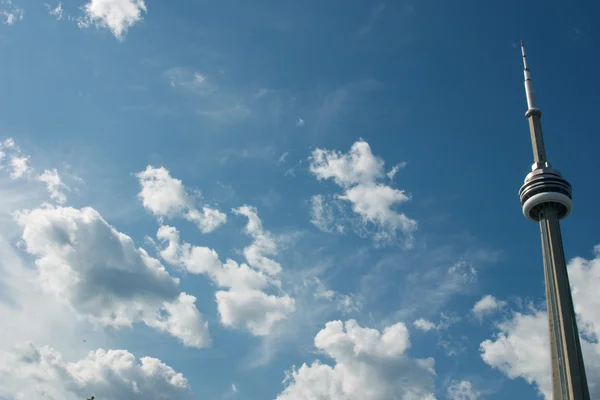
546	199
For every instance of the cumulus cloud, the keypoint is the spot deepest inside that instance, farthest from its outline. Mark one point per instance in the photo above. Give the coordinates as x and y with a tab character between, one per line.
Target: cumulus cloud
116	15
357	173
245	303
462	390
101	275
424	325
257	254
28	371
166	197
253	310
487	305
369	365
54	185
521	347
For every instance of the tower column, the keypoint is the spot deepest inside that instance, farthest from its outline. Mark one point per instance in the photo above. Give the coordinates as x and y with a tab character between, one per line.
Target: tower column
569	380
546	198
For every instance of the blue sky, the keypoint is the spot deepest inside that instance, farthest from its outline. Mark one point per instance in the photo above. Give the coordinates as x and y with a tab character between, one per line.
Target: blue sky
357	163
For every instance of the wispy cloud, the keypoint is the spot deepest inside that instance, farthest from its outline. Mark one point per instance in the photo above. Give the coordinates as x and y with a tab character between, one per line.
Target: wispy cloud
282	158
371	20
392	173
56	187
344	99
212	99
58	12
10	12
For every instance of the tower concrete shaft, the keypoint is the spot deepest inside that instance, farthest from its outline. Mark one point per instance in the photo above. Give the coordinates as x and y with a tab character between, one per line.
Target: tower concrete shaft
546	198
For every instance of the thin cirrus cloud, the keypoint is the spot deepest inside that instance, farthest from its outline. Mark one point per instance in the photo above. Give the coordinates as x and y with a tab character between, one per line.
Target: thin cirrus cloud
520	348
244	300
358	173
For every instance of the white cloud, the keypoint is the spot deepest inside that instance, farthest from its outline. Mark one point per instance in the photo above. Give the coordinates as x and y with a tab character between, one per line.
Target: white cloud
99	273
19	166
487	305
357	173
10	12
369	365
57	11
359	165
16	163
189	80
166	197
346	303
445	322
116	15
521	349
161	194
462	390
392	173
323	215
245	304
8	143
253	310
54	185
282	158
208	220
300	122
424	325
29	371
257	254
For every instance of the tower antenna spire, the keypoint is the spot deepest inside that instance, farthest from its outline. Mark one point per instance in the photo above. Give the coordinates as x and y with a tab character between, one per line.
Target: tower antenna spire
528	83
